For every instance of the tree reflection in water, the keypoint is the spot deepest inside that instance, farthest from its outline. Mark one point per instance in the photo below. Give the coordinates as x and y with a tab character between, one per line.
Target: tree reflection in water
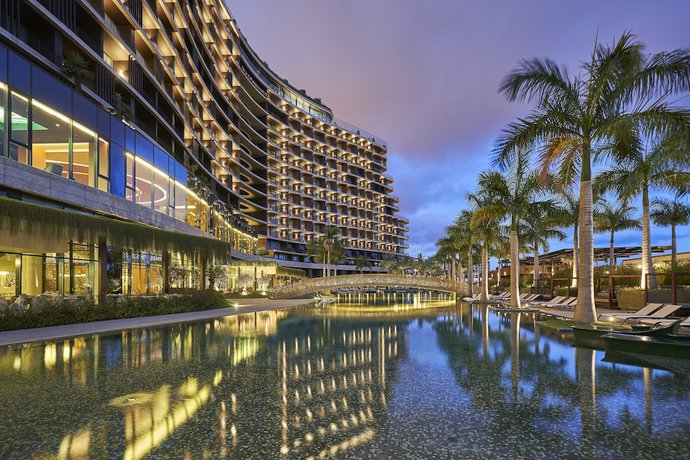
347	382
570	404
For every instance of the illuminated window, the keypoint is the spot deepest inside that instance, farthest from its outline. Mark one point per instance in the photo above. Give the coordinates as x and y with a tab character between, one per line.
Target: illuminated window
103	165
51	137
19	128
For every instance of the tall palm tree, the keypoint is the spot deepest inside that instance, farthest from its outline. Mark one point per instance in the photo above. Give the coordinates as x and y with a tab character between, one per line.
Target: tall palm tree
446	253
327	248
361	263
613	217
511	195
570	204
469	237
488	233
638	170
575	118
541	225
670	213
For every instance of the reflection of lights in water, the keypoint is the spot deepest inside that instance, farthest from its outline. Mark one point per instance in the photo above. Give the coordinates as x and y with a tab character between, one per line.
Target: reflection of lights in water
50	355
148	420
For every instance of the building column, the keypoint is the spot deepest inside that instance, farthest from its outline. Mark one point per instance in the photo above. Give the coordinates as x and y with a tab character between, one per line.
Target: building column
102	270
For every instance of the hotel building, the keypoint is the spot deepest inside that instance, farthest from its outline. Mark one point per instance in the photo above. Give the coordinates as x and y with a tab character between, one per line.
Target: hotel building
156	118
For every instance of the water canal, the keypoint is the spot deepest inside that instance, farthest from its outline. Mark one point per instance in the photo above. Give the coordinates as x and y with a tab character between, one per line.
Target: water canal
345	381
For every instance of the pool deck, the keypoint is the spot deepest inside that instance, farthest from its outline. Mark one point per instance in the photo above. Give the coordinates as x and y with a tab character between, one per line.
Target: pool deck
42	334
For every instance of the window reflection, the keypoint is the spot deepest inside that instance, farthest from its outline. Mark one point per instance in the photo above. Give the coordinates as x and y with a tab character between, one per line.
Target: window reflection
51	133
83	155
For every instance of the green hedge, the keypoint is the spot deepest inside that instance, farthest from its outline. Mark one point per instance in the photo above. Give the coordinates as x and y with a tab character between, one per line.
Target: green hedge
566	291
68	311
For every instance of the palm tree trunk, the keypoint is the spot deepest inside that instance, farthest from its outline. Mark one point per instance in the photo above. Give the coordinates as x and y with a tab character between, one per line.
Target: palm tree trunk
498	272
612	251
514	269
647	265
460	270
470	273
585	311
485	272
452	268
537	275
674	251
573	280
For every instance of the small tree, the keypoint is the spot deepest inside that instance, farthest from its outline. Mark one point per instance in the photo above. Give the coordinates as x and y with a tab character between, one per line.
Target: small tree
76	67
361	263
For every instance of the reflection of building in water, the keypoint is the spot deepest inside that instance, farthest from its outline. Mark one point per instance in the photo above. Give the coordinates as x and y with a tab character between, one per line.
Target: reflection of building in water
243	386
333	386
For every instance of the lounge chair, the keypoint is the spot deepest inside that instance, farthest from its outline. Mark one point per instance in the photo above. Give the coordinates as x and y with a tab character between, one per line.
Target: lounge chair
644	311
553	301
661	313
566	304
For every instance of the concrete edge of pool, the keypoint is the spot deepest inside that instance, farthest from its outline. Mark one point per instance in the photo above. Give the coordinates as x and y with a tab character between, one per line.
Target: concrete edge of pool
65	331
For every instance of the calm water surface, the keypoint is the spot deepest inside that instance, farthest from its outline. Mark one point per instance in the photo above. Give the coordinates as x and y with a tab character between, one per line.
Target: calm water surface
341	382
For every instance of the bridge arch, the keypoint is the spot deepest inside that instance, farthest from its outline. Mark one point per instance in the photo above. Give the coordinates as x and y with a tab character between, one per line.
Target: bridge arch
371	280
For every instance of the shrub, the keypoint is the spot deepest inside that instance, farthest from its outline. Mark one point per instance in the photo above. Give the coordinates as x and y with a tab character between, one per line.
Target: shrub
69	310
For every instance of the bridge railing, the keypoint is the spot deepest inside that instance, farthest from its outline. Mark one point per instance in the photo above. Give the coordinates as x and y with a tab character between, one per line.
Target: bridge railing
366	280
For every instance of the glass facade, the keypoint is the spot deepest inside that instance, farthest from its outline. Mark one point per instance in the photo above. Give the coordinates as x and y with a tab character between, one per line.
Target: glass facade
74	272
47	138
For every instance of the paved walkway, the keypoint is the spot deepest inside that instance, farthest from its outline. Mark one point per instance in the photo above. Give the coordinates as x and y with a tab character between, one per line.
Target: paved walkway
42	334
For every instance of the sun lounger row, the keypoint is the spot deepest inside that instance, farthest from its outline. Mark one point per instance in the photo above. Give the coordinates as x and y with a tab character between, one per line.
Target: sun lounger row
650	313
560	302
524	298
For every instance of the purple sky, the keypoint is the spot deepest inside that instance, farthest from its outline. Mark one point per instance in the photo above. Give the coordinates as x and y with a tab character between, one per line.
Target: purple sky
423	74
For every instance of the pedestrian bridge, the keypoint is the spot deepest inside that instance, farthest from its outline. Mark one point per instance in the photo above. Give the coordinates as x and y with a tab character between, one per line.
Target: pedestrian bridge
372	280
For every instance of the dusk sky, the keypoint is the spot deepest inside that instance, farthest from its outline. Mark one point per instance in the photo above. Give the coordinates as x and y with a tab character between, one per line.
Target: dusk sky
423	74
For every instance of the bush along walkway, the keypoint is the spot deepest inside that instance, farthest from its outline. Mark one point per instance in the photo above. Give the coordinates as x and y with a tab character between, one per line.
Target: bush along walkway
35	312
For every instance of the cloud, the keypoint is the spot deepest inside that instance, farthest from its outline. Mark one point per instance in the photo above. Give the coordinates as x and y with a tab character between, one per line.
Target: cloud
424	74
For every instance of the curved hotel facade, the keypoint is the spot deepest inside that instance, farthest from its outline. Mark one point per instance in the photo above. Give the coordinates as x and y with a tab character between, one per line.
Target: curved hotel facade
158	114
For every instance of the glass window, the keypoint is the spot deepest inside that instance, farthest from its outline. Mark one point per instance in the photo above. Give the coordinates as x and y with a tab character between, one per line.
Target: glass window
160	192
83	155
3	95
144	183
180	202
50	140
129	168
8	276
19	119
193	210
103	165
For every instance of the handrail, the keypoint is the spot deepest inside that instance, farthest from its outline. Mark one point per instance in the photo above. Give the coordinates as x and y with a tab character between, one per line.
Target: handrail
310	285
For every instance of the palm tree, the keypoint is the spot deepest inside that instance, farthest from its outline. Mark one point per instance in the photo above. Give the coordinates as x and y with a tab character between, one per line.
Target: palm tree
570	204
670	213
469	237
640	169
540	226
361	263
488	232
446	251
612	218
327	249
575	118
511	195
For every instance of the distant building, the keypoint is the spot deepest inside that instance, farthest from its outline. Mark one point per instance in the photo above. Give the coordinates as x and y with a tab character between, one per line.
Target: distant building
658	261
